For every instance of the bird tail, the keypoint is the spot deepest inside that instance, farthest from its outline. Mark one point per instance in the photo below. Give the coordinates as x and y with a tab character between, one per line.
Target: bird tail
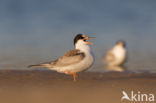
47	65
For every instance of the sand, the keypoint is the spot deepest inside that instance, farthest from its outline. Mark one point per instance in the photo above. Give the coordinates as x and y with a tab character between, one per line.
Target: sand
34	86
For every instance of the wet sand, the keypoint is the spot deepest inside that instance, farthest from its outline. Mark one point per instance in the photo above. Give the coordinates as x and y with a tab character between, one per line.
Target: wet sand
34	86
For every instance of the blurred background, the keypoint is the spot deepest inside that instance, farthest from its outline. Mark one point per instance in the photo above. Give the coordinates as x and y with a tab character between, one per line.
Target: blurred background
35	31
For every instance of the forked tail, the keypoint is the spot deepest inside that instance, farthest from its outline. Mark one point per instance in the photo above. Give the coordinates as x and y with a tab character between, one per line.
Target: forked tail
47	65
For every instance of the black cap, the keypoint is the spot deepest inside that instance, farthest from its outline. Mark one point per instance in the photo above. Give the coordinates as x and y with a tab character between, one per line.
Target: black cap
121	41
78	37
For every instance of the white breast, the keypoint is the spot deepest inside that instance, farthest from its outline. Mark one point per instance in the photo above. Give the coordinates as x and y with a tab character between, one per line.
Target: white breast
120	55
82	65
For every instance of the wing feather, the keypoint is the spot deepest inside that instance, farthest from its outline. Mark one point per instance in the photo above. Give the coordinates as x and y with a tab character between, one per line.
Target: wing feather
109	56
70	57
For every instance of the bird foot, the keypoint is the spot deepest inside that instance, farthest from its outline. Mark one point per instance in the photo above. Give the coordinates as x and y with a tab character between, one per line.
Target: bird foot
74	75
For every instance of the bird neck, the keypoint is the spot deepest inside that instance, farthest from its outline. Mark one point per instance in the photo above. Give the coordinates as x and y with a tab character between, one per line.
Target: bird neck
119	47
83	47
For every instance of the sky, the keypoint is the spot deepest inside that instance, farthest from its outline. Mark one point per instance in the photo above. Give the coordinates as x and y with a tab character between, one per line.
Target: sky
33	31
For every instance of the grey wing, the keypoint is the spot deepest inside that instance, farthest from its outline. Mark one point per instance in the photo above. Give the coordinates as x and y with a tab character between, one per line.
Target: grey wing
110	57
71	57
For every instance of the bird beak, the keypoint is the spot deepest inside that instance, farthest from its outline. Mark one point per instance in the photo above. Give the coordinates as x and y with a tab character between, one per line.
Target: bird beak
90	38
89	42
87	38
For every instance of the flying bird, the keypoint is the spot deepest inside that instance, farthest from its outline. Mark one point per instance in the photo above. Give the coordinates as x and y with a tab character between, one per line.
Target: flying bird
73	61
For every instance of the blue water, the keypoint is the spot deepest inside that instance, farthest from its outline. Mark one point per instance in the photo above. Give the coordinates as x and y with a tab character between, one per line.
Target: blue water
35	31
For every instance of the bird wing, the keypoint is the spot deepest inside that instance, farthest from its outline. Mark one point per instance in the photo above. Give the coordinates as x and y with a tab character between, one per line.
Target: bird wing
109	56
70	57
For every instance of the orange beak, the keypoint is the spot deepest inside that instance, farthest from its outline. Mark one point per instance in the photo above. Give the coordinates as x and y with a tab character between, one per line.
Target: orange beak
87	38
89	42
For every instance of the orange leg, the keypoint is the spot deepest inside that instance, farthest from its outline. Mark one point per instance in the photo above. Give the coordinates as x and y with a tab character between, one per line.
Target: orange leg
74	75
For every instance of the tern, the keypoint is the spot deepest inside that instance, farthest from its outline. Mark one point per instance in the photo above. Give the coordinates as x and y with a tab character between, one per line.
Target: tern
117	55
73	61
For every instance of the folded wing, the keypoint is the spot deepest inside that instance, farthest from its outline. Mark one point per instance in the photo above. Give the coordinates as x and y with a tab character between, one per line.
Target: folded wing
69	58
110	57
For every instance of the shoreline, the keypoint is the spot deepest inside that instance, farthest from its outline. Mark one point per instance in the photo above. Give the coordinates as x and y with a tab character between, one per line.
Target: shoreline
35	86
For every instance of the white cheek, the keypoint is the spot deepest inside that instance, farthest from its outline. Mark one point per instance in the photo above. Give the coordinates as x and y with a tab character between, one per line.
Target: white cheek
82	45
81	42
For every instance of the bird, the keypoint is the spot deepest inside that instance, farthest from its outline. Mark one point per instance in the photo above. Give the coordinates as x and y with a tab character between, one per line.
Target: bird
73	61
117	55
115	68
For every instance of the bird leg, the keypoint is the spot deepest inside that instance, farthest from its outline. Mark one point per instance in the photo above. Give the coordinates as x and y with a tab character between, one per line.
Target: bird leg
74	75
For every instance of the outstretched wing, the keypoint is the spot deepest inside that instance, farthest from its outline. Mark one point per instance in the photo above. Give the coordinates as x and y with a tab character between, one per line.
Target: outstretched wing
69	58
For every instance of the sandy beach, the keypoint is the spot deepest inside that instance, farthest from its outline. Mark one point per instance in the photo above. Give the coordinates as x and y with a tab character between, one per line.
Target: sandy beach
34	86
